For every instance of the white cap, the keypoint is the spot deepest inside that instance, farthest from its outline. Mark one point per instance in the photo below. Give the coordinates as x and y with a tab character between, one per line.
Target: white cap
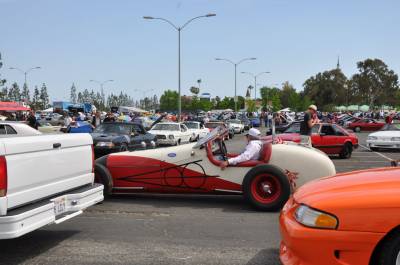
313	107
254	132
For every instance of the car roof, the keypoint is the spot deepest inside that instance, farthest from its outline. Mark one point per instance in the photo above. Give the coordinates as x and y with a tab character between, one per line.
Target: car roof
127	123
168	123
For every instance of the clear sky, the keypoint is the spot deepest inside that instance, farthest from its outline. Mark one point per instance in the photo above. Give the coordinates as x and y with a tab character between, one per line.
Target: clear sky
79	40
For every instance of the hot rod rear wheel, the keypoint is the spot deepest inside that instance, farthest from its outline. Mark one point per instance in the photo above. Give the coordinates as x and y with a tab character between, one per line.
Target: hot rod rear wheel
266	187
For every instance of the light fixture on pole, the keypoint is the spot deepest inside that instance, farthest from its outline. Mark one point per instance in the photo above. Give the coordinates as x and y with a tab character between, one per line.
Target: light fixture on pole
25	73
255	81
101	85
235	64
179	29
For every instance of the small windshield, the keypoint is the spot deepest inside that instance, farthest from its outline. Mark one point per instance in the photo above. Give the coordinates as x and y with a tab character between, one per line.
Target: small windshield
391	127
166	127
235	121
210	136
113	128
191	125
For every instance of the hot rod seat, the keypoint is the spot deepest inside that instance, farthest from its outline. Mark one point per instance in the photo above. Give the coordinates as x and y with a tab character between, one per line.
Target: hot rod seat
265	155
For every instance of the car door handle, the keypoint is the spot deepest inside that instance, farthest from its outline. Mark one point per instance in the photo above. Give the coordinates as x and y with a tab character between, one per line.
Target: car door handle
56	145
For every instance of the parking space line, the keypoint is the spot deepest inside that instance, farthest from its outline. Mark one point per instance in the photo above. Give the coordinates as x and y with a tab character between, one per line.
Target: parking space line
382	155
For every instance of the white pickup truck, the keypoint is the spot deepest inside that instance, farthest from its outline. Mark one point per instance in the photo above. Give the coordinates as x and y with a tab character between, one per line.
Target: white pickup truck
45	179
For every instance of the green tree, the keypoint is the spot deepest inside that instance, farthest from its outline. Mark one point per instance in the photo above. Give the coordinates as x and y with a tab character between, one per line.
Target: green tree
169	100
327	88
4	94
375	83
14	93
205	105
251	105
2	81
271	98
226	103
36	99
44	97
73	97
25	95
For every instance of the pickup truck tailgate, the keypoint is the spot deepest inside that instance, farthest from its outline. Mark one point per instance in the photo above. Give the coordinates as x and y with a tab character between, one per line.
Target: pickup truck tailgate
44	165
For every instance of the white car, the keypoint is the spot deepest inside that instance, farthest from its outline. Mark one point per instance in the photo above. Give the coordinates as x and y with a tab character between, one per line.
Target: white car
387	137
13	128
236	125
48	128
171	133
197	129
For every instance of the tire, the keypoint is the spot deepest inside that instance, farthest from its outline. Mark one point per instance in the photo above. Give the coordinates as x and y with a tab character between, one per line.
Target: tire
346	151
103	176
272	177
374	149
389	253
357	129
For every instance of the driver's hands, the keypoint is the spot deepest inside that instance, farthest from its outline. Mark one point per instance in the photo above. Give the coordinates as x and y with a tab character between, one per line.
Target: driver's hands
223	165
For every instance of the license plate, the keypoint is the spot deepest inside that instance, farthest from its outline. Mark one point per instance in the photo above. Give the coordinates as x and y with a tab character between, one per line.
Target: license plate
59	205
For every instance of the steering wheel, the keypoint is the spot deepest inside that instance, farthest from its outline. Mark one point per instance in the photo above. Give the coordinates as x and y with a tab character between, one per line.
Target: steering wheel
224	151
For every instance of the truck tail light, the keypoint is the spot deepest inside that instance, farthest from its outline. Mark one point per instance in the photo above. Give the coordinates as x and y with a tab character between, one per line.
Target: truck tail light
3	176
93	158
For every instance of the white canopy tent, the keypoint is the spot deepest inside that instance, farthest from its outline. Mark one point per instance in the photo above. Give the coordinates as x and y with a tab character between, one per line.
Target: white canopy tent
49	110
131	109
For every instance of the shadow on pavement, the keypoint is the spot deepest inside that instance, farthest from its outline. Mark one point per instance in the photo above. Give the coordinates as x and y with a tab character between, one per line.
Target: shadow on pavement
20	250
228	203
268	256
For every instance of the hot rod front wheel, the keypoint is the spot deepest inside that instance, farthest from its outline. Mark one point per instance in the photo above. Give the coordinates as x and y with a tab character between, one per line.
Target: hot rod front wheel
266	187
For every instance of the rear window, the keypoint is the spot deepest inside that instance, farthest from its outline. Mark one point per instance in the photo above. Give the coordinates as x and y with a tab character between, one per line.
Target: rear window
10	130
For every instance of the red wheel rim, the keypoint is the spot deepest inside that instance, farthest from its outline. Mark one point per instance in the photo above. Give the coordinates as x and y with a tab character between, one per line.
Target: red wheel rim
265	188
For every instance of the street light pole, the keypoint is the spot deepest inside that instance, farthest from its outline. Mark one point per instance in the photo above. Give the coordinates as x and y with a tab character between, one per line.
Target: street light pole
179	29
255	81
235	65
101	84
25	73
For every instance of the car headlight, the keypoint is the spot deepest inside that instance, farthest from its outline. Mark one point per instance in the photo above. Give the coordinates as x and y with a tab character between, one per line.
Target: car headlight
171	136
372	138
395	139
105	144
314	218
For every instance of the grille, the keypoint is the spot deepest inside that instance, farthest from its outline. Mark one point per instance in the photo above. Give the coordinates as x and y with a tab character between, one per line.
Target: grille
161	136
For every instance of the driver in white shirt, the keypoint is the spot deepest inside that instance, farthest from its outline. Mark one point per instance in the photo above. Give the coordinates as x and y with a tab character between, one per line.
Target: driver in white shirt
252	151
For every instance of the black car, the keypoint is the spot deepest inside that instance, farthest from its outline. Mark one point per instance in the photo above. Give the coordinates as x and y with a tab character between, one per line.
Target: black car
246	122
112	137
281	127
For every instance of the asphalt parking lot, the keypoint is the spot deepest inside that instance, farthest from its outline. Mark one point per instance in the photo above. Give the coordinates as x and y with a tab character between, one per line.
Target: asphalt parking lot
170	229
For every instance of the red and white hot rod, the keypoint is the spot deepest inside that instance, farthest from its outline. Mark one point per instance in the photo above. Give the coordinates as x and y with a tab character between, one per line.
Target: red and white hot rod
194	168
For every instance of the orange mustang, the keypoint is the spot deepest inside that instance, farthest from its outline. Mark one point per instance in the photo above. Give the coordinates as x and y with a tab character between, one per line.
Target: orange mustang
351	218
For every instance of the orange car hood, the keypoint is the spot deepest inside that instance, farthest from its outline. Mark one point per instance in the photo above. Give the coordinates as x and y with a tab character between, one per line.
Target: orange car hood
367	200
